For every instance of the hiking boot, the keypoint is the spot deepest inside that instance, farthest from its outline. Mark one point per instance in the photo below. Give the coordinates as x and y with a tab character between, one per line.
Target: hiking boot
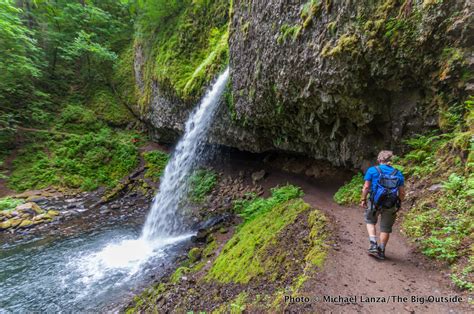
380	253
373	249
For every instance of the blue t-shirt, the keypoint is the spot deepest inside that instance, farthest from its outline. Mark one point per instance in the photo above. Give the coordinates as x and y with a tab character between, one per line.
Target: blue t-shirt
373	175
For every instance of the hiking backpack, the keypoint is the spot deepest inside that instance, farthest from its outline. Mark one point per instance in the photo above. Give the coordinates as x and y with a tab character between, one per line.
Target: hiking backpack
386	189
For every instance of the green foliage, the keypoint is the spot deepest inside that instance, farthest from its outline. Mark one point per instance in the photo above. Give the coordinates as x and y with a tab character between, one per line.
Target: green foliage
51	49
243	257
189	48
180	272
84	161
201	182
249	209
350	193
155	163
8	203
107	107
309	10
287	31
20	54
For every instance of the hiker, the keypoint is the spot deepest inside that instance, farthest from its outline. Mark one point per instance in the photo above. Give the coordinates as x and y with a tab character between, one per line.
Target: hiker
386	187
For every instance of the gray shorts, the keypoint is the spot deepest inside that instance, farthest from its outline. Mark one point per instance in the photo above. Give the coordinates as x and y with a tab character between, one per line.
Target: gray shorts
387	217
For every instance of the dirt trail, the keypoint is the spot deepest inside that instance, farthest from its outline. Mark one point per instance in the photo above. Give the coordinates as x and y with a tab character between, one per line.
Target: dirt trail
349	271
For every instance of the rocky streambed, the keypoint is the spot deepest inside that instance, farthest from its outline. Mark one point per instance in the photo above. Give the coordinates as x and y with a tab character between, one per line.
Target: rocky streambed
82	250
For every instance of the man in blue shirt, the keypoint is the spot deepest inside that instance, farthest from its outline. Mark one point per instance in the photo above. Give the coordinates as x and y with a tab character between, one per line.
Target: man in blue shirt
387	215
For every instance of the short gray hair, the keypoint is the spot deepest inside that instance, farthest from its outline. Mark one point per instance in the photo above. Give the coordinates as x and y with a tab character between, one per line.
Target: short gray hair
385	156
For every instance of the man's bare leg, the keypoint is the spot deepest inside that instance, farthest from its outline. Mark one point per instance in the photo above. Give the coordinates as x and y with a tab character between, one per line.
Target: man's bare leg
371	230
384	236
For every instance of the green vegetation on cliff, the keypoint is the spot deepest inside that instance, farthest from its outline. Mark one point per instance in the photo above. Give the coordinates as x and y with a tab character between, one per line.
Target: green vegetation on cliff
189	48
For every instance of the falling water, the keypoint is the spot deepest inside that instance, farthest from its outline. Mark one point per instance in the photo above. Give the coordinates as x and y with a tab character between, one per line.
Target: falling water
164	219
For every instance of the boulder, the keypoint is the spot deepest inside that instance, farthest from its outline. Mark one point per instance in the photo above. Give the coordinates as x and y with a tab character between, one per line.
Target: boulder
5	225
53	213
30	208
40	217
26	223
194	254
15	222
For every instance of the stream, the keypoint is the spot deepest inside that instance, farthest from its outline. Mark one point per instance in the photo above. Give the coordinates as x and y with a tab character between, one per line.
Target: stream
92	271
81	273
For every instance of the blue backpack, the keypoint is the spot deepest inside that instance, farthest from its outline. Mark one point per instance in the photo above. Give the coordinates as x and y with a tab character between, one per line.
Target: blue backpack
386	190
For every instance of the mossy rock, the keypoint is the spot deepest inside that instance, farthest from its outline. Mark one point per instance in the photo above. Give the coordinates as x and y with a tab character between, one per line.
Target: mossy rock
15	222
26	223
30	207
5	225
194	254
52	213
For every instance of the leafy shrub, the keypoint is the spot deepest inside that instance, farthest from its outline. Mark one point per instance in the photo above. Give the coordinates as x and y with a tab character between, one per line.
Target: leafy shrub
75	161
350	193
249	209
201	183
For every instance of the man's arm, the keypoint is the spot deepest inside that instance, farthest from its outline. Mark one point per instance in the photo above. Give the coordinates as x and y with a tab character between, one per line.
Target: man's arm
365	192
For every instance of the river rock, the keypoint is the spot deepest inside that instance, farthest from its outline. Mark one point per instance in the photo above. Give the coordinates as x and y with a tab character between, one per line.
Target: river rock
15	222
30	208
5	225
39	217
53	213
194	254
258	176
26	223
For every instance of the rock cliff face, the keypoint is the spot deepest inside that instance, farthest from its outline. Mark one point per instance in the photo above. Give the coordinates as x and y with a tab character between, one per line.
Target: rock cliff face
335	80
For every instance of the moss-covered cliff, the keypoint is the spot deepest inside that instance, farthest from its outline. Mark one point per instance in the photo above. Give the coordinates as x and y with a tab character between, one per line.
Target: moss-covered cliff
335	80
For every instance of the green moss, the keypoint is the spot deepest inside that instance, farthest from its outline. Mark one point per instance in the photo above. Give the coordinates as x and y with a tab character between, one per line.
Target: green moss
201	184
180	272
124	78
8	203
155	163
194	254
83	153
210	248
188	50
108	108
244	258
287	32
309	10
347	43
249	209
318	237
350	193
236	306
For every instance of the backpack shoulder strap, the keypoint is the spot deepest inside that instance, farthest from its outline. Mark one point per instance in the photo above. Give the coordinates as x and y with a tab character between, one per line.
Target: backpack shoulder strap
394	172
378	169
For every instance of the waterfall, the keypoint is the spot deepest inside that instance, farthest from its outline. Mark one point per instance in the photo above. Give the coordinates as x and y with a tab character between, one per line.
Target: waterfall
164	219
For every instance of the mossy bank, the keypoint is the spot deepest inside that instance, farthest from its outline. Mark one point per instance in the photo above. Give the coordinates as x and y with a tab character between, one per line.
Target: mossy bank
280	242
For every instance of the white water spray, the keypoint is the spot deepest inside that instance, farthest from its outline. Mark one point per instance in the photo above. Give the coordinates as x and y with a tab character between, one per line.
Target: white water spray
164	219
163	226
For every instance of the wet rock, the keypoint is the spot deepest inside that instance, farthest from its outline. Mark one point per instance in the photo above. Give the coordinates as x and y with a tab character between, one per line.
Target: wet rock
5	225
258	176
115	206
26	223
15	222
53	213
200	236
194	254
40	217
30	208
